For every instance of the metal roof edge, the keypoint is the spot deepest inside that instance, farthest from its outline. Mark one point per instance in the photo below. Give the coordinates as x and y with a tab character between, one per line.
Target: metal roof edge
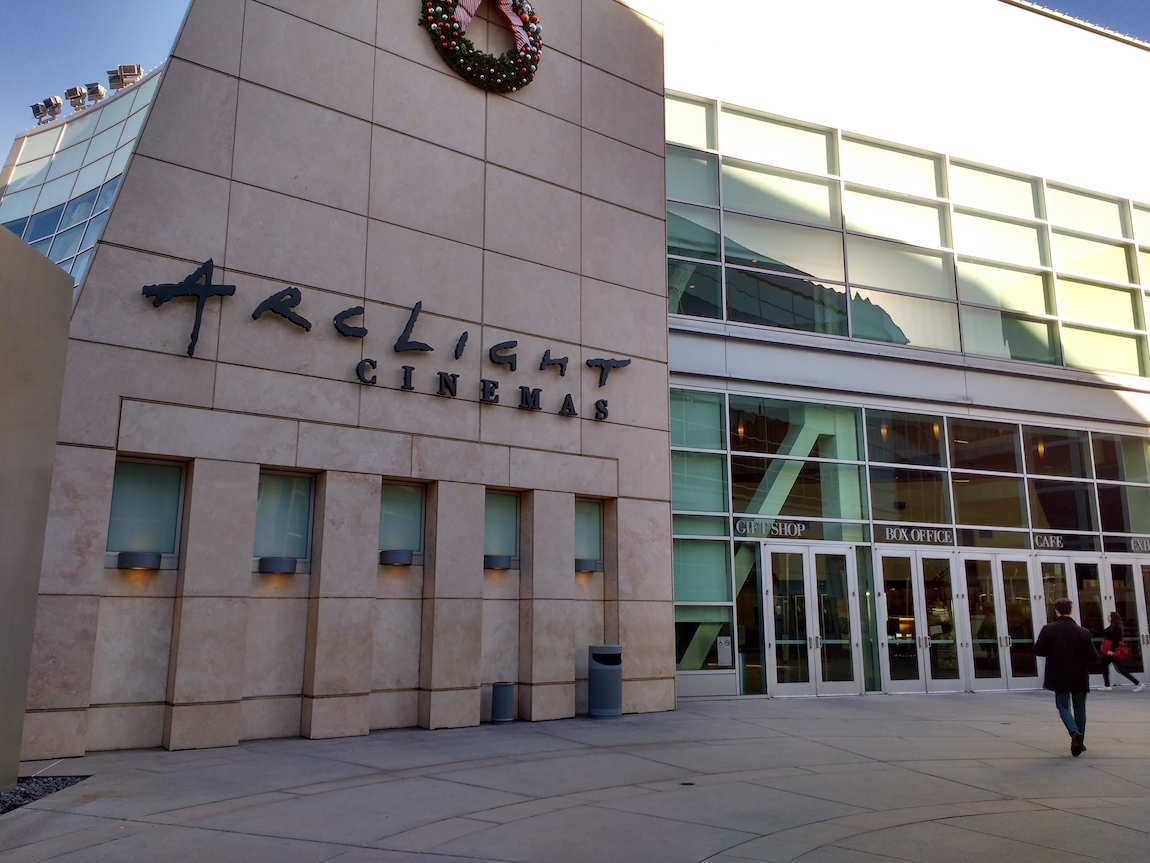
1079	23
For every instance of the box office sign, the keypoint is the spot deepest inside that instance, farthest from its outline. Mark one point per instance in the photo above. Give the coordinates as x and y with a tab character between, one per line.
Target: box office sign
909	535
198	286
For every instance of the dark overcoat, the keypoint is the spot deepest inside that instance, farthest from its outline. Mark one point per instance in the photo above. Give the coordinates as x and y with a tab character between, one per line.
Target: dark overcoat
1069	653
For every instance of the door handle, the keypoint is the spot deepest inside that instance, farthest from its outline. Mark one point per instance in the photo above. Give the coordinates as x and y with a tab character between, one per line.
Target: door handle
818	642
1009	641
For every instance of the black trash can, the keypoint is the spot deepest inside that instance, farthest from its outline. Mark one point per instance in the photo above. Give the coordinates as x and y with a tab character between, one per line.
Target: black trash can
502	702
605	680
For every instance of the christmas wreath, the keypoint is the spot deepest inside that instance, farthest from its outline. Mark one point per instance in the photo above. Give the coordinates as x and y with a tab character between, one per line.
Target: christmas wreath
446	22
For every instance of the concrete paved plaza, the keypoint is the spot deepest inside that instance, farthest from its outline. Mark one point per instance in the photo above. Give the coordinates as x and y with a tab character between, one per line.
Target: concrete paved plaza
858	780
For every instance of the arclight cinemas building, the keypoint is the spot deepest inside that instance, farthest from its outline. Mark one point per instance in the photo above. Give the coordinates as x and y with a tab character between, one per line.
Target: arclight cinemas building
798	349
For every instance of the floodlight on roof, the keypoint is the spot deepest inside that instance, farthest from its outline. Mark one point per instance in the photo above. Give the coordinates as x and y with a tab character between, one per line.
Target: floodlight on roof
40	112
124	75
96	92
76	96
116	80
54	104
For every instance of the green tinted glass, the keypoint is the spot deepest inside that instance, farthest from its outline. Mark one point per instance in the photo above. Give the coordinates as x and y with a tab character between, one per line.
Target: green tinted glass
702	570
697	419
698	482
283	516
145	507
401	517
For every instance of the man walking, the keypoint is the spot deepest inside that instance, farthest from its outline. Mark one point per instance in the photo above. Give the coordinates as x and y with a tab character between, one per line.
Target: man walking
1069	653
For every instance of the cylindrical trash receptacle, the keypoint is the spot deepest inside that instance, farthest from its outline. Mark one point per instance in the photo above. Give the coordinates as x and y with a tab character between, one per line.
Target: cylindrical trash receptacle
605	680
502	702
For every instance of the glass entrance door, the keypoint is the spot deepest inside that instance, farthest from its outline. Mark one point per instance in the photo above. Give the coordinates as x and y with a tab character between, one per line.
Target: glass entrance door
1127	594
917	598
813	595
999	623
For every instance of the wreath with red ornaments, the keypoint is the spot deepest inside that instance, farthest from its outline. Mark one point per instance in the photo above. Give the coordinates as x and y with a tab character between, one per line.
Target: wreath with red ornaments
446	22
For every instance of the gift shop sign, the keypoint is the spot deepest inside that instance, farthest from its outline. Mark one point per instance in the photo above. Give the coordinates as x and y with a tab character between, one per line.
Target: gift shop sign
284	304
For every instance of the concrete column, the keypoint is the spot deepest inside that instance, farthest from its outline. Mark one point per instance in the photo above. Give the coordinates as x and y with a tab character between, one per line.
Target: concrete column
452	638
341	605
206	664
547	593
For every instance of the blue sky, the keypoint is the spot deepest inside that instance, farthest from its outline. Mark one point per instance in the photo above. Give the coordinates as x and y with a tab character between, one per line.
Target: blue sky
47	46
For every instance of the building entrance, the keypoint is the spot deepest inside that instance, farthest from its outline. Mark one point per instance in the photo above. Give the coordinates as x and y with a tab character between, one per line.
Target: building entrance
1003	611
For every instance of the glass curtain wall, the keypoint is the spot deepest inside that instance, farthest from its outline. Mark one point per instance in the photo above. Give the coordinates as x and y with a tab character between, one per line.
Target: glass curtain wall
780	224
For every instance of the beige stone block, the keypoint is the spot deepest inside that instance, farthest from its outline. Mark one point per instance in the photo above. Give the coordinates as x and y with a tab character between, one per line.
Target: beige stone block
339	647
265	718
458	461
351	17
500	640
113	309
648	696
619	246
291	396
546	632
54	734
643	457
327	447
637	395
386	323
563	27
594	477
79	506
296	241
547	545
522	297
336	716
395	709
194	124
395	34
501	584
541	702
405	267
404	90
280	585
454	537
137	583
395	657
534	143
346	529
219	529
97	376
510	424
145	219
201	726
622	110
426	187
211	35
286	53
399	582
587	629
644	550
624	175
557	90
274	651
125	727
179	432
207	660
452	642
130	663
623	321
647	635
286	144
415	412
451	708
589	588
532	219
62	648
623	42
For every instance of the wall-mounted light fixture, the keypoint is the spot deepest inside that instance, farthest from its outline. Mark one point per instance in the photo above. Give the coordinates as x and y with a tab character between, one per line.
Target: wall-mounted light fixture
395	557
278	565
497	561
138	560
586	564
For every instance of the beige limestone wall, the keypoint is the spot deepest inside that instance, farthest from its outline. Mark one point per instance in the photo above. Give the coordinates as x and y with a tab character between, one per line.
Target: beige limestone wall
326	147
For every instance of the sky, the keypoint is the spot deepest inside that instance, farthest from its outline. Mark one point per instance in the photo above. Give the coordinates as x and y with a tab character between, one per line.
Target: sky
47	46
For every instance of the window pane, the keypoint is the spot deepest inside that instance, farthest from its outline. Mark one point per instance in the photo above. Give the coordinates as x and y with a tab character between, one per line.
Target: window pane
1061	505
887	168
796	429
691	122
1144	265
692	176
990	500
1104	352
784	247
56	192
1091	257
697	631
780	194
17	227
988	333
115	112
401	517
38	145
895	267
692	231
978	445
999	193
1086	212
697	419
1004	287
1124	508
694	289
145	507
780	301
1000	240
80	265
28	175
1142	224
80	129
699	525
799	489
43	224
78	209
501	524
698	482
904	320
91	176
1122	458
283	515
905	494
896	218
702	570
588	530
95	227
66	162
19	205
103	144
757	139
66	244
904	438
107	191
1056	452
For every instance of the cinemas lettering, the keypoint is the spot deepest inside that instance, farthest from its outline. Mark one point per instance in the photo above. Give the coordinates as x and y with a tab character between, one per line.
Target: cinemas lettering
283	304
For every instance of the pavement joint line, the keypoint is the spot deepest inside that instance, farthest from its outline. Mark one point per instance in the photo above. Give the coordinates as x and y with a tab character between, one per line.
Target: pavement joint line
971	829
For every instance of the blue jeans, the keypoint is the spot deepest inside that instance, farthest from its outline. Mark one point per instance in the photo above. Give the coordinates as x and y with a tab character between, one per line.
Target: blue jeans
1073	721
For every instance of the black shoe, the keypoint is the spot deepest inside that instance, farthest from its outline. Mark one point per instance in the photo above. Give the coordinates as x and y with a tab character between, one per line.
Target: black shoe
1076	747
